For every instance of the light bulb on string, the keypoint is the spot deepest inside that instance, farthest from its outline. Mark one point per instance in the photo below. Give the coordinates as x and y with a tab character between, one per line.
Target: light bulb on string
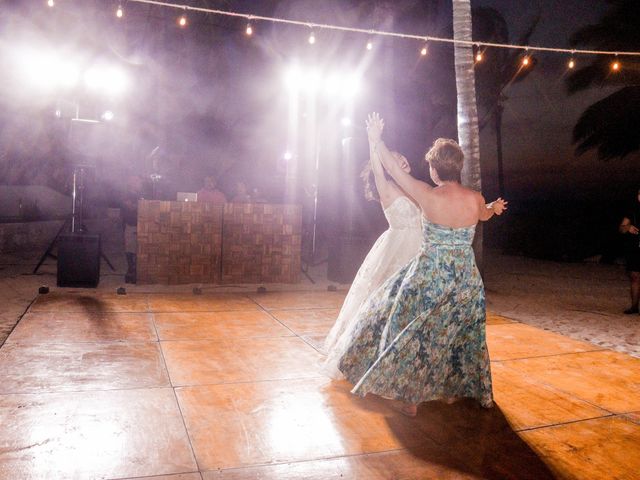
312	38
525	61
119	12
478	56
571	64
424	50
369	45
182	21
249	29
615	66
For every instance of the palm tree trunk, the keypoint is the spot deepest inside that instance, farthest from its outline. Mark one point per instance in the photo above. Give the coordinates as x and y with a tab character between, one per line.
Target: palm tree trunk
498	126
468	132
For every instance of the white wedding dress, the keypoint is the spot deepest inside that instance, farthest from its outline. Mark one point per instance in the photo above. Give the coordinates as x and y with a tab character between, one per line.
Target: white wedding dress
392	251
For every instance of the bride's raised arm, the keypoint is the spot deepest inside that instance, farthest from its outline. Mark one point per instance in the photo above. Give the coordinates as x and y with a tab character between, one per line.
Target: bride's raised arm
410	185
386	190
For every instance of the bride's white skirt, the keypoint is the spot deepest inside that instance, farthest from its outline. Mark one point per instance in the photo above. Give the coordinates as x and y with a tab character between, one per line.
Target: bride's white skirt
392	251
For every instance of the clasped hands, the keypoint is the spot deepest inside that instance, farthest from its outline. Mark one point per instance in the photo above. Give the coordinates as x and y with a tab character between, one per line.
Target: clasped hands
375	125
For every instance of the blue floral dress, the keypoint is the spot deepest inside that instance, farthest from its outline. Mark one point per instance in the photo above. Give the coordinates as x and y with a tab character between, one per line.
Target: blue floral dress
421	335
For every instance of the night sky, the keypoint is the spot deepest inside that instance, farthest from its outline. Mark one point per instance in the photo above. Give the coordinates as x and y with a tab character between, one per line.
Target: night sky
540	115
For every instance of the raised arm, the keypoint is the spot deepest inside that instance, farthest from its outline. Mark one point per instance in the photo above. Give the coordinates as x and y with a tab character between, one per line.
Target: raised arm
386	190
410	185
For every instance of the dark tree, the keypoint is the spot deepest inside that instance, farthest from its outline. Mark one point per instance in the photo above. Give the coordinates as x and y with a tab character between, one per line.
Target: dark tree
611	125
498	69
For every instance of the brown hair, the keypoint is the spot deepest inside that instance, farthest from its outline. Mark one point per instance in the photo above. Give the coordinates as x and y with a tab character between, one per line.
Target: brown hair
370	190
446	157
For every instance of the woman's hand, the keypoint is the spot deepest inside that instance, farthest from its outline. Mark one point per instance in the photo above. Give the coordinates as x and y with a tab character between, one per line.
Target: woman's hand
633	230
375	125
498	206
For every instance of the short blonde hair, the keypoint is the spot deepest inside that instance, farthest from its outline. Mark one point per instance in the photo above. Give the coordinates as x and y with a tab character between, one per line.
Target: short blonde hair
446	157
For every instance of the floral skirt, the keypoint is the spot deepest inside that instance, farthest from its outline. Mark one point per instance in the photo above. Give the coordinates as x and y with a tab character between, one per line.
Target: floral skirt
421	335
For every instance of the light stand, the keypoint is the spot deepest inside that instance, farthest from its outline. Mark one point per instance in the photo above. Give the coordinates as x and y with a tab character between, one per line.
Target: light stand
77	187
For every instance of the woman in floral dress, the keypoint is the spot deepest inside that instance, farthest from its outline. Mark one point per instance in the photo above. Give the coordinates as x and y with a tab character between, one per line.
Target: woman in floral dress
421	335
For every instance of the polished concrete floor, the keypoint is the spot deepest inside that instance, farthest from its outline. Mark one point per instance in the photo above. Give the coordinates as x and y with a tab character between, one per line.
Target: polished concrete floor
228	386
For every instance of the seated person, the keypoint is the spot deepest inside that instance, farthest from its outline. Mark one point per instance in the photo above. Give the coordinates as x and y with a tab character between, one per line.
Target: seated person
241	194
210	193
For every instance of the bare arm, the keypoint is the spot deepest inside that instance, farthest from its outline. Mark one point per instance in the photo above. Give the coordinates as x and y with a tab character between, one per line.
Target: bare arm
409	184
386	190
497	207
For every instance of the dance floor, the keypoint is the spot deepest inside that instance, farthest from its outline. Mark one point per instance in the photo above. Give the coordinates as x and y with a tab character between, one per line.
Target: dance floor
228	387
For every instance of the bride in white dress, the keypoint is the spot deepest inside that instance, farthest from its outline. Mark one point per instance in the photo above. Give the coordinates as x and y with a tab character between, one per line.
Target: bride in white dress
392	251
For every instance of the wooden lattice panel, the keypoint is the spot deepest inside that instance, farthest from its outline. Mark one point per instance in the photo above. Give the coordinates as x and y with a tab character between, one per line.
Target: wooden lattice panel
179	242
261	243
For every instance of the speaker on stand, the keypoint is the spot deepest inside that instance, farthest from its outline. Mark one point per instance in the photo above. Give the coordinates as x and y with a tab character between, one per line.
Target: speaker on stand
78	260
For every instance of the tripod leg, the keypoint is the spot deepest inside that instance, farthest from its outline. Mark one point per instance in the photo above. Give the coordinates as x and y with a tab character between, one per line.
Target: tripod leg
106	259
47	252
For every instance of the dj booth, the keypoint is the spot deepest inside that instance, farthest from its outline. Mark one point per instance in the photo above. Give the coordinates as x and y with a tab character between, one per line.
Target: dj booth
197	242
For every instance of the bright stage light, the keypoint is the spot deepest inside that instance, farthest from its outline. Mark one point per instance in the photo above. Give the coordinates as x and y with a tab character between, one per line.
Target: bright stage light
287	156
107	116
351	86
332	85
119	12
109	80
346	122
293	78
46	70
312	81
51	3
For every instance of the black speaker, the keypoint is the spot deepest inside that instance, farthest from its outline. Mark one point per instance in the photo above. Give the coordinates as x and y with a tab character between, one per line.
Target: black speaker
78	260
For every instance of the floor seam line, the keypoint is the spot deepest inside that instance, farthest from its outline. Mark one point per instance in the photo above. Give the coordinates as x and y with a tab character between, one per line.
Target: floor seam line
175	395
570	422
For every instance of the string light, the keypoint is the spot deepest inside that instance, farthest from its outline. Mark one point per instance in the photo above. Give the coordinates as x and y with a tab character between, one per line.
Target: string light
424	50
525	61
478	56
119	12
571	63
249	29
312	38
51	3
369	45
168	4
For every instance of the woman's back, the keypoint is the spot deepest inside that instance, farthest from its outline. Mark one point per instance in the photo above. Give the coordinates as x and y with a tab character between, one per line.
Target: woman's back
451	205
